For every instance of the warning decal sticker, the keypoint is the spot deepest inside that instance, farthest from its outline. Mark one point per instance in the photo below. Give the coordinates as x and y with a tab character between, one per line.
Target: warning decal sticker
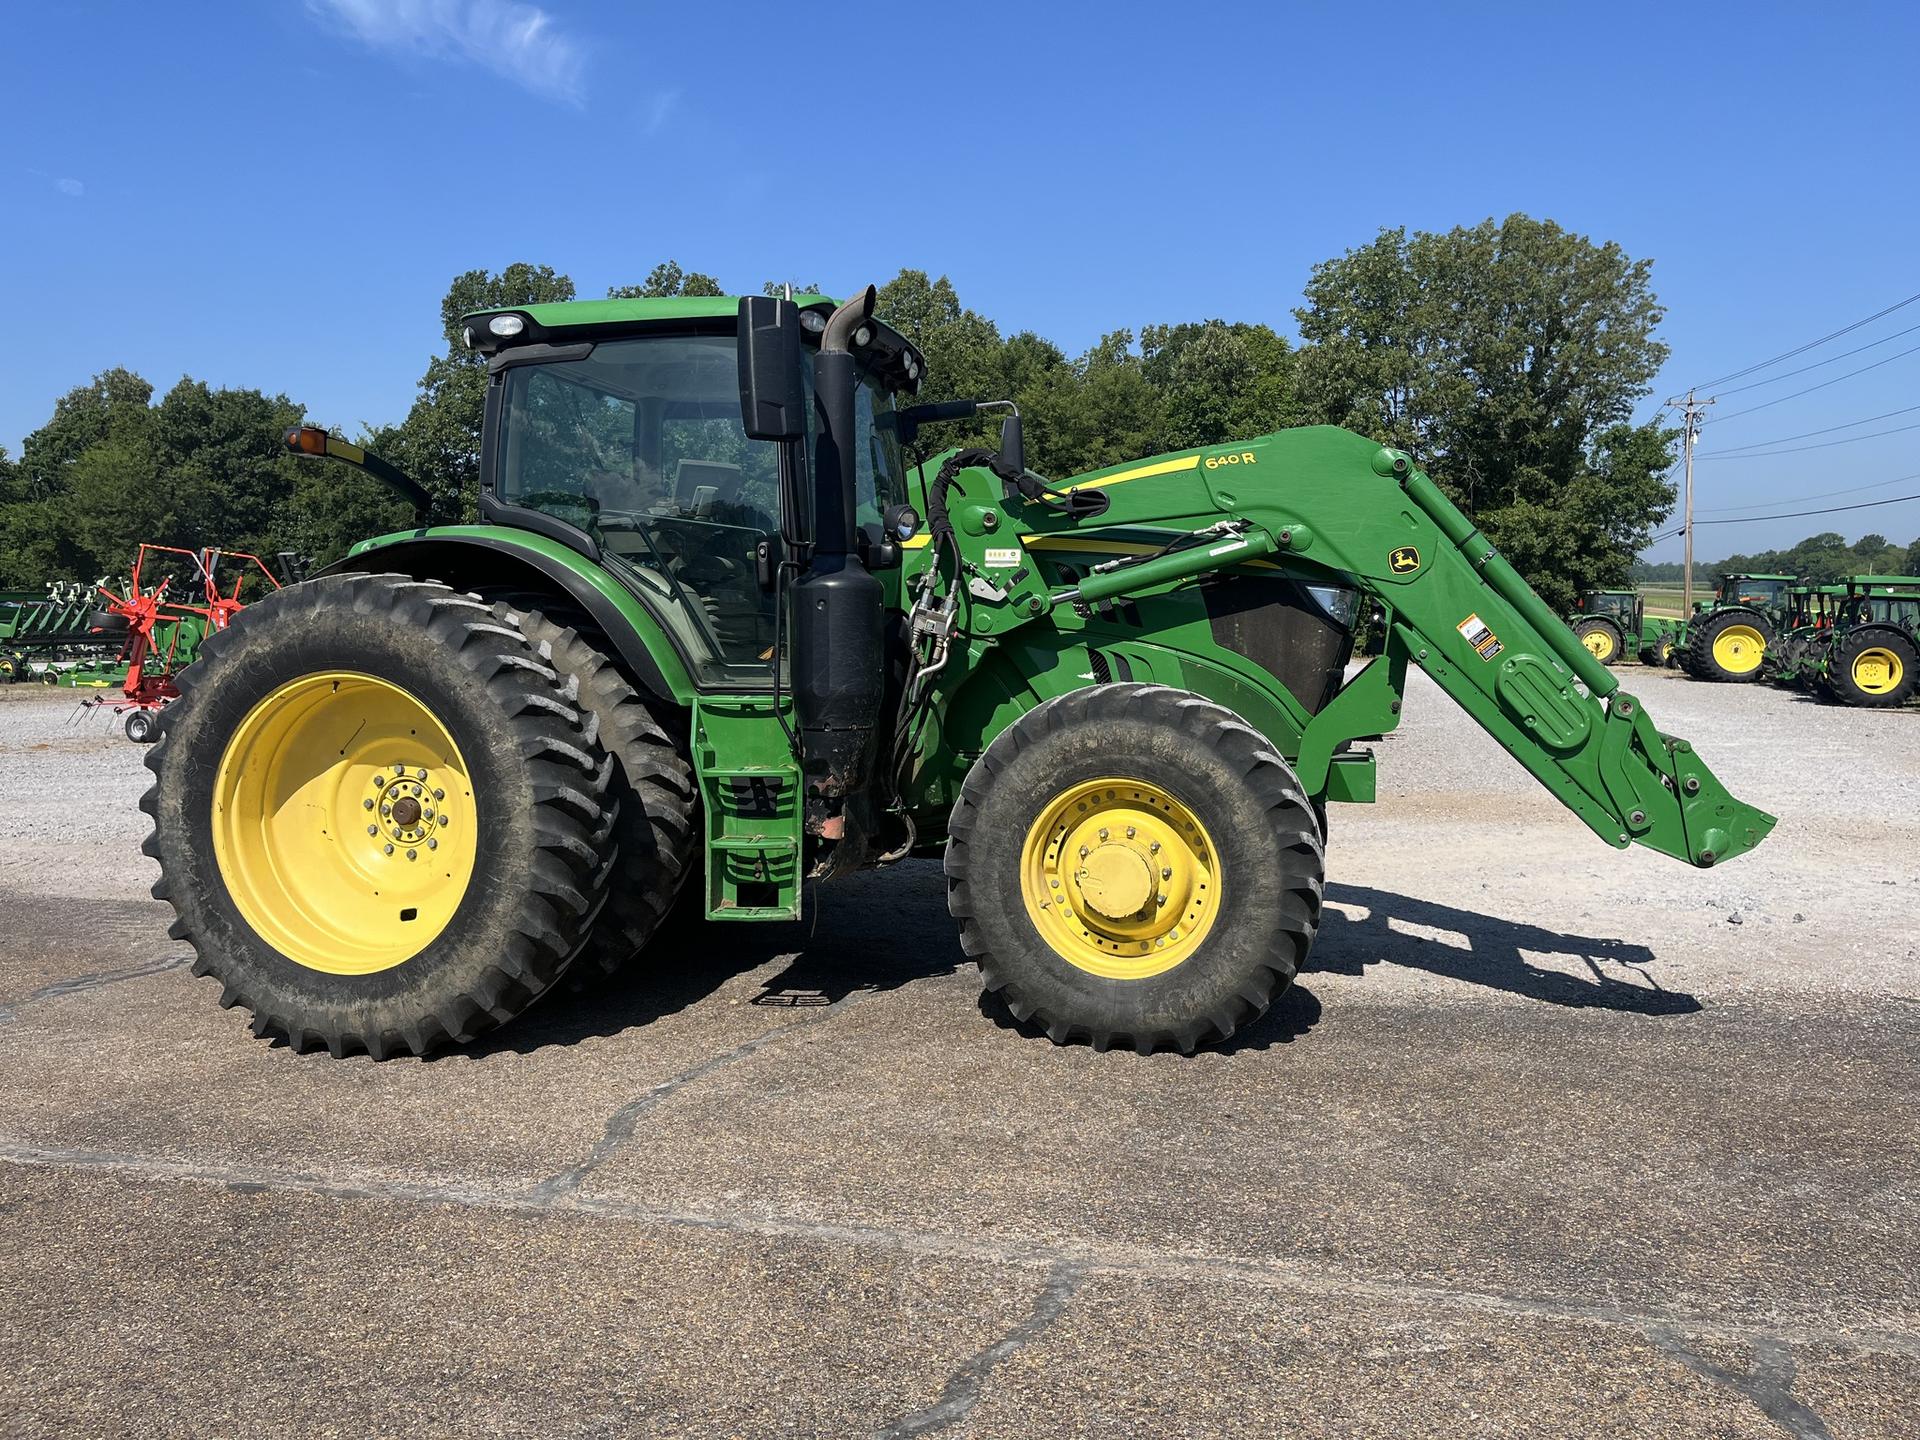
1003	559
1483	640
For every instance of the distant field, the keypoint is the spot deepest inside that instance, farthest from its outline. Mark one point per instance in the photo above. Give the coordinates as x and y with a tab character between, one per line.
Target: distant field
1664	600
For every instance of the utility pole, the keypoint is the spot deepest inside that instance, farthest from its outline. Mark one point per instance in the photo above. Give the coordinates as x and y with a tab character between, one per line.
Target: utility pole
1691	410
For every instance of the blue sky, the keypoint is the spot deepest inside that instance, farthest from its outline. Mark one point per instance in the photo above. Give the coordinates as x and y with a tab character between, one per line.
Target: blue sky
275	193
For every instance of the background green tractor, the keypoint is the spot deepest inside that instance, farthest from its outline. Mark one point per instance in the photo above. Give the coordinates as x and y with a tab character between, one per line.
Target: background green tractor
1614	624
1726	637
1796	651
1870	657
727	629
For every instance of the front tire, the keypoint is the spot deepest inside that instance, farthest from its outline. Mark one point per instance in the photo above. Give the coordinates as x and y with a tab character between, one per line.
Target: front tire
1133	864
381	820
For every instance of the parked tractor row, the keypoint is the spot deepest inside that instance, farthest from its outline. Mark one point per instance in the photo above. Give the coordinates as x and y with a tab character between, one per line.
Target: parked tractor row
1857	641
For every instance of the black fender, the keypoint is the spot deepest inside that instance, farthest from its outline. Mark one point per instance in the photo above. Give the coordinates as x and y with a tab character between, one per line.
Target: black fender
480	562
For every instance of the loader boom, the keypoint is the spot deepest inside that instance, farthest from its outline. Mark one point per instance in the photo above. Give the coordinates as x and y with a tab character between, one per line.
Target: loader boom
1323	503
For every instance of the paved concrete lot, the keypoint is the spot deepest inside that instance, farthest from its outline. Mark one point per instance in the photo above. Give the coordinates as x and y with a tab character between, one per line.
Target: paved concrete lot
1550	1140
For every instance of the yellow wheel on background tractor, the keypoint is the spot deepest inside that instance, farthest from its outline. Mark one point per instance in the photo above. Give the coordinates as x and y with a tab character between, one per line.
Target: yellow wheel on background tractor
1120	878
1878	671
344	823
1739	649
1600	637
1134	865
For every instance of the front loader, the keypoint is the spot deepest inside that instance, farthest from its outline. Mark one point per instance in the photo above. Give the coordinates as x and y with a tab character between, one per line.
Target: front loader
730	625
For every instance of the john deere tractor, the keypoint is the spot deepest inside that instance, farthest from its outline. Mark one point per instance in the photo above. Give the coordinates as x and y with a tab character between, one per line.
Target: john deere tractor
1726	638
1870	657
727	628
1614	624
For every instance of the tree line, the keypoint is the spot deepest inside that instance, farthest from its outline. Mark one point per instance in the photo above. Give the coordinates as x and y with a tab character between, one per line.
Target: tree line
1506	356
1822	558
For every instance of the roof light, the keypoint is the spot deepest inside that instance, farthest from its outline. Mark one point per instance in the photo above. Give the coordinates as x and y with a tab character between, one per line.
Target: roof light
863	336
812	321
506	325
467	336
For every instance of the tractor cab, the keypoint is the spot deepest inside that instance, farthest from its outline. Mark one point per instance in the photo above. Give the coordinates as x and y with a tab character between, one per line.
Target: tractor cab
1766	593
1880	600
1626	606
615	428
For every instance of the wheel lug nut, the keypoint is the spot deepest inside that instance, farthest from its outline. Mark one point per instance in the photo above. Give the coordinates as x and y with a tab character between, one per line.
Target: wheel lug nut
1166	872
423	772
439	794
1129	832
373	829
413	854
1083	852
379	782
427	813
1103	832
433	844
367	804
1154	848
1159	899
388	849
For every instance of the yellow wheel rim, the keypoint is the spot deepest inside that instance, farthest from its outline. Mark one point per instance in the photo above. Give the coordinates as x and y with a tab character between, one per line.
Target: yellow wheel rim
1120	878
1738	649
344	823
1599	643
1877	671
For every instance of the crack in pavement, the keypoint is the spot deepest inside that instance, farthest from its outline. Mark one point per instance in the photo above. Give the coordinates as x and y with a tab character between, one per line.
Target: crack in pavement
624	1122
962	1390
1769	1385
91	982
1091	1257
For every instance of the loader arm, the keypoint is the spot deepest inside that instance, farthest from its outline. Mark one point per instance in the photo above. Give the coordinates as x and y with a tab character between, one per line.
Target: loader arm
1324	499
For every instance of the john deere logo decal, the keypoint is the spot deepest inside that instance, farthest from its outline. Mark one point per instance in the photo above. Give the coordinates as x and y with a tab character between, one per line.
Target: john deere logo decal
1404	561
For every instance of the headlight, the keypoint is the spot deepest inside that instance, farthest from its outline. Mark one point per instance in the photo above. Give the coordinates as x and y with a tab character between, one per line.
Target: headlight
506	325
812	321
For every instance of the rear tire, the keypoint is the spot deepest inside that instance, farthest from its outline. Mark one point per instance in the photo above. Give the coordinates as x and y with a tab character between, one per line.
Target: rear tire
1234	827
1602	639
1730	647
298	895
1874	667
1660	652
653	780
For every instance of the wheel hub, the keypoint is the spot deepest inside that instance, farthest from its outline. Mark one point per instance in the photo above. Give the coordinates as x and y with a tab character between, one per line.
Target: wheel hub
412	806
1120	878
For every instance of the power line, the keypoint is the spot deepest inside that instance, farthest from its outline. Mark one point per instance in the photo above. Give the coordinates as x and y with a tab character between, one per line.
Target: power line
1823	445
1808	434
1811	344
1831	359
1830	510
1817	495
1781	400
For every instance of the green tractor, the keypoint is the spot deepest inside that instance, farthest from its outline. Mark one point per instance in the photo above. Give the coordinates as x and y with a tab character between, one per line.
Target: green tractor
1614	624
726	628
1810	614
1726	637
1870	657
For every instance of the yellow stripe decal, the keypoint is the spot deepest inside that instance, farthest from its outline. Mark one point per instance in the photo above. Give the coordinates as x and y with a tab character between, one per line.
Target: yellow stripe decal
916	542
1165	467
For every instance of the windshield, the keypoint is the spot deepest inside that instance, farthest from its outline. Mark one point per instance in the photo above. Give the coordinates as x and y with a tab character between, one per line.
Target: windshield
1755	592
640	445
1602	604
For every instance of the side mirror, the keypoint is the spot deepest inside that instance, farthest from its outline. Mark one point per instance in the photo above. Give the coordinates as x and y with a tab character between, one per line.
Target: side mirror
773	405
1013	446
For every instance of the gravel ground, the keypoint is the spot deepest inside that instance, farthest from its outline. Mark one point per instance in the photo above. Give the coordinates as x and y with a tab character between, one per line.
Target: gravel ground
1549	1140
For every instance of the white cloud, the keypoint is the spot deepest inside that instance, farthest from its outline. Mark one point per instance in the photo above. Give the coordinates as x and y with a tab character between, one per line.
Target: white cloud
71	187
520	42
659	110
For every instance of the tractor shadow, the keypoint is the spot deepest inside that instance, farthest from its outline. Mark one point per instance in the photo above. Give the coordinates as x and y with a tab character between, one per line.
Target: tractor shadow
1371	927
870	932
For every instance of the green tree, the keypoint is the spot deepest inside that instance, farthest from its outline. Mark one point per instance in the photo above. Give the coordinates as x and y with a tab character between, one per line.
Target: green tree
665	281
439	441
1218	381
1507	358
1911	564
